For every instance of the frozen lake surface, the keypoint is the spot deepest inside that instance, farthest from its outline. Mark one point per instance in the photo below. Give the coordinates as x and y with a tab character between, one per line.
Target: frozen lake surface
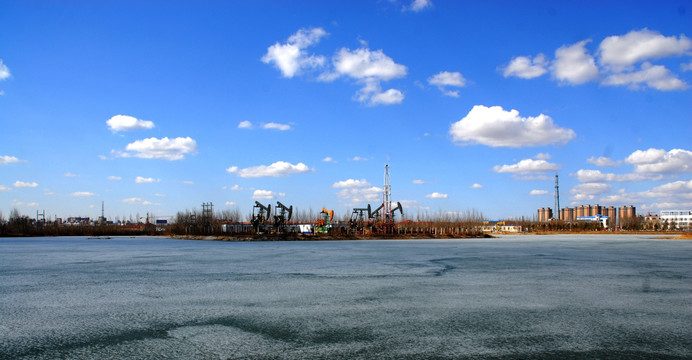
514	297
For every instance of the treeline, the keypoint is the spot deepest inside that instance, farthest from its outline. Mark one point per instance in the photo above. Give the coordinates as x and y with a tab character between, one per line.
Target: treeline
21	225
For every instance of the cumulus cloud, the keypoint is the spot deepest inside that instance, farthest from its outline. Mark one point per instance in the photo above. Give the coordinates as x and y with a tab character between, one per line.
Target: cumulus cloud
419	5
350	183
446	79
526	68
277	169
276	126
603	161
263	194
587	192
619	52
538	192
686	67
22	184
418	181
115	177
127	123
4	71
230	203
360	195
291	58
82	194
235	187
476	186
493	126
5	159
245	125
436	195
328	159
165	148
143	180
659	161
369	68
5	188
654	76
574	65
527	166
69	174
137	201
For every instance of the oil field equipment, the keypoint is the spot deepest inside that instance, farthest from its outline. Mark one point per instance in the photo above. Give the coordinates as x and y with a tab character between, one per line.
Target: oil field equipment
260	218
283	216
324	223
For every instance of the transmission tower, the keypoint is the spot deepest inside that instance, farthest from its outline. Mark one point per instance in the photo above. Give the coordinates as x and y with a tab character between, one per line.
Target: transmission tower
556	214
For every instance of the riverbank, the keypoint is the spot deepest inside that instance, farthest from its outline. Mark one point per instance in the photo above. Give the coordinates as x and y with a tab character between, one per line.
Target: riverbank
327	237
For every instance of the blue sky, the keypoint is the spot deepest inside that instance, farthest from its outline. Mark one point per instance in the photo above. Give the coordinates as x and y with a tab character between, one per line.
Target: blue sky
475	105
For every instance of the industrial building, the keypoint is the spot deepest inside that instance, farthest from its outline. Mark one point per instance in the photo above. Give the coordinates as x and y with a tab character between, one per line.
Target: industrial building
582	212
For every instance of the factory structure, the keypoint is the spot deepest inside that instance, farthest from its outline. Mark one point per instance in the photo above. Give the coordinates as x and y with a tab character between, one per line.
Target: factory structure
612	216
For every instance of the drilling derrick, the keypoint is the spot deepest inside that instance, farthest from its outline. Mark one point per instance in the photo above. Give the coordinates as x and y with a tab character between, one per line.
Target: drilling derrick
388	218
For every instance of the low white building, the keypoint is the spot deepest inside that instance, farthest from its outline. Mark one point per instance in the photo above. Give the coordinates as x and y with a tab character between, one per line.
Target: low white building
680	219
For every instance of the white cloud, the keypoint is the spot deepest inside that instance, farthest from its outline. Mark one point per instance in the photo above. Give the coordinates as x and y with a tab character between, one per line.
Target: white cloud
160	195
329	159
587	192
654	76
263	194
363	63
358	158
279	168
444	79
360	195
5	159
188	182
235	187
527	166
686	67
476	186
4	71
603	161
5	188
658	161
542	156
137	201
230	203
291	58
493	126
526	68
350	183
82	194
115	177
69	174
389	97
127	123
619	52
165	148
276	126
418	181
22	184
370	68
677	189
419	5
245	125
538	192
143	180
573	65
32	204
436	195
590	176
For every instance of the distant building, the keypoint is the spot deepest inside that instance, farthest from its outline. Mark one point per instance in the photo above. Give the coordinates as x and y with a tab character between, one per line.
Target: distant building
676	219
610	213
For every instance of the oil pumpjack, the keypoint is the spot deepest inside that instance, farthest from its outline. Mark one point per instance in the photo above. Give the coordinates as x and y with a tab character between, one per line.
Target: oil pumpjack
259	219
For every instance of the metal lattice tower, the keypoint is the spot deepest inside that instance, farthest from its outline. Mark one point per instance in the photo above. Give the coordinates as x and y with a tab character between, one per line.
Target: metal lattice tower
387	196
556	214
